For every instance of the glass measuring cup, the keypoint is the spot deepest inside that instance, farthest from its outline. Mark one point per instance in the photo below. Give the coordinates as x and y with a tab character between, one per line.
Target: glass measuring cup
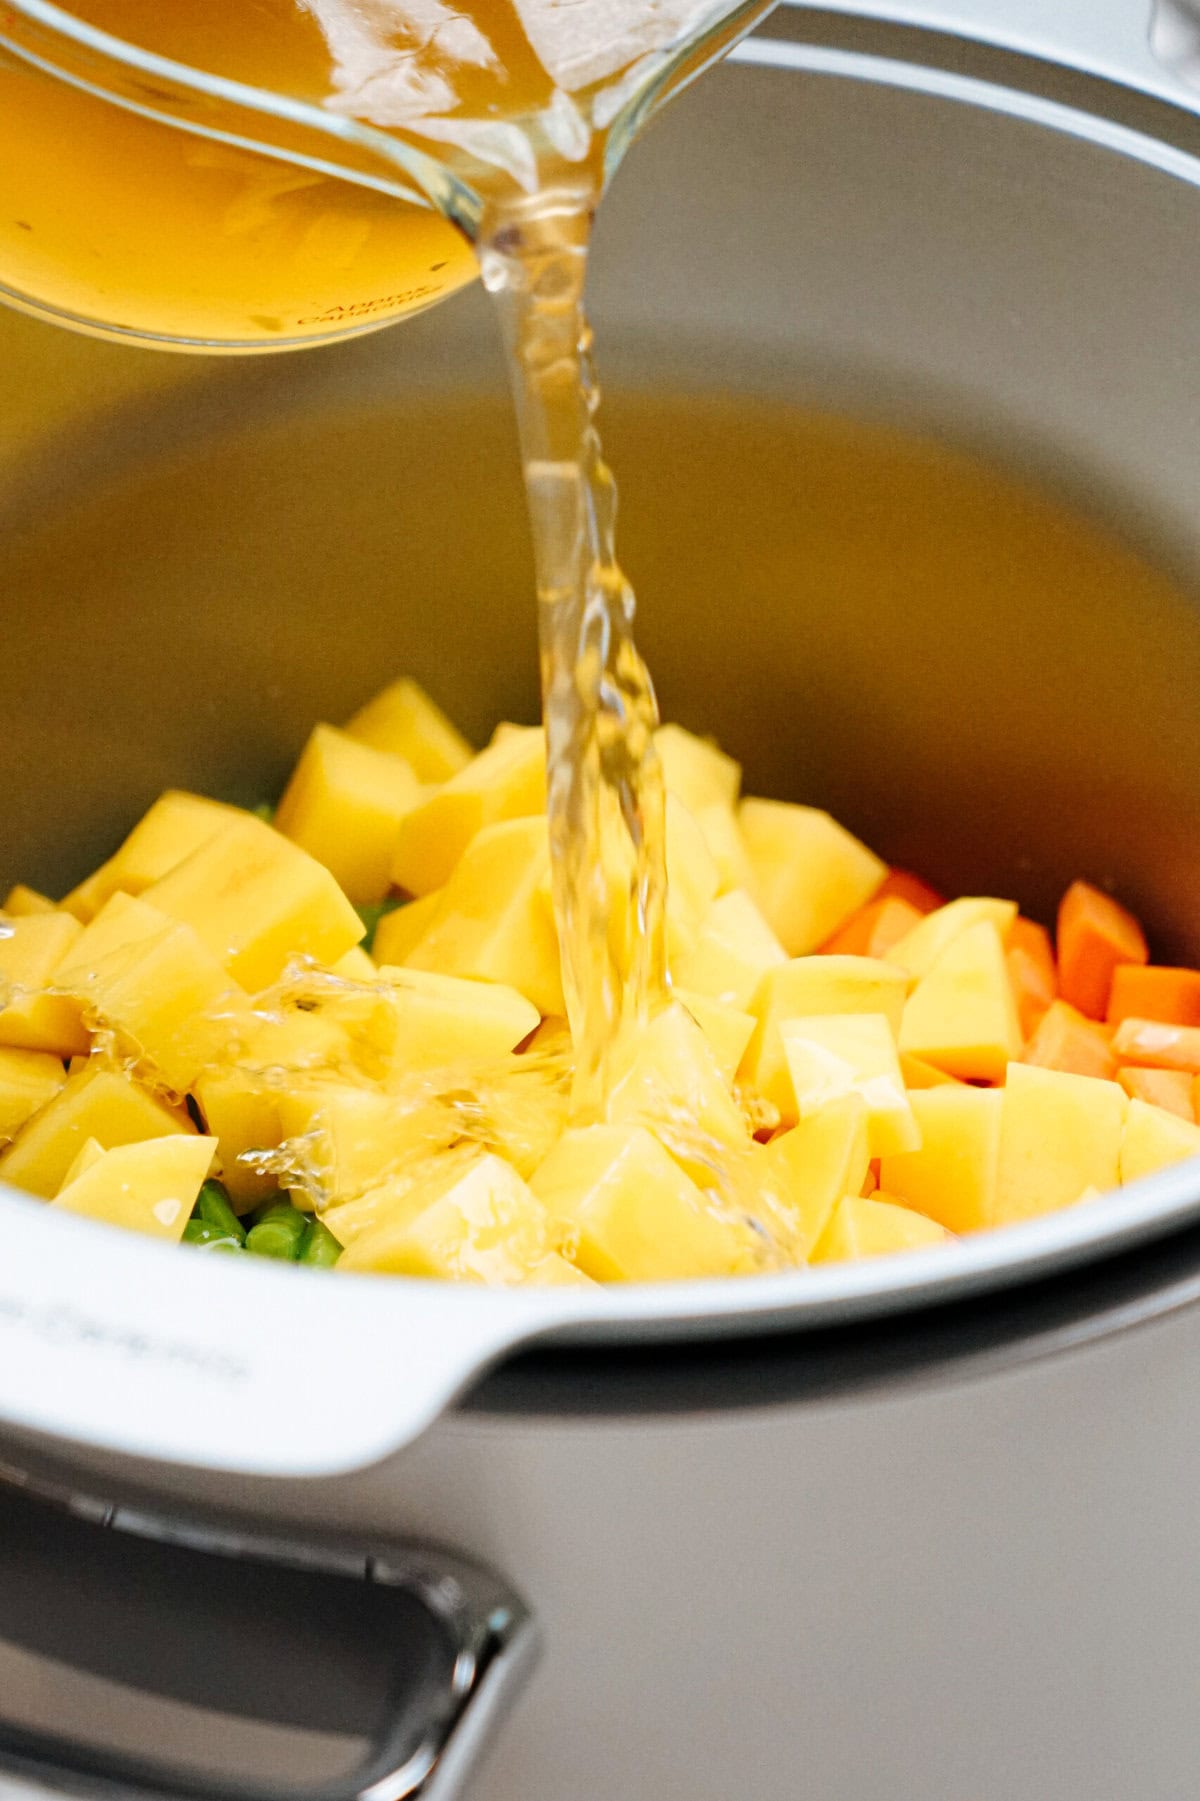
149	191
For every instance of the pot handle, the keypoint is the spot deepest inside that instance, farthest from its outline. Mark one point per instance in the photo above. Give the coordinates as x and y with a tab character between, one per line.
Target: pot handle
145	1663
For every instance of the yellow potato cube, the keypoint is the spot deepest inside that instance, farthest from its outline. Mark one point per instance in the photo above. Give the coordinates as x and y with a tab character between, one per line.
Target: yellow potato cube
444	1020
922	947
870	1228
28	1080
485	1227
727	848
692	878
349	1139
632	1215
1153	1139
732	953
496	920
810	873
21	901
241	1111
813	1164
834	1054
31	949
696	770
805	986
673	1084
505	781
952	1176
344	805
93	1103
150	980
727	1029
404	927
553	1271
402	719
148	1187
962	1016
258	900
89	1153
357	965
177	824
1059	1135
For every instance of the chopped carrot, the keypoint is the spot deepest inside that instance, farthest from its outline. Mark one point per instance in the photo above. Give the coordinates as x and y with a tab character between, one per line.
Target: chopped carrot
905	886
1032	971
872	931
919	1074
1168	1088
1172	995
1066	1040
1095	936
1153	1045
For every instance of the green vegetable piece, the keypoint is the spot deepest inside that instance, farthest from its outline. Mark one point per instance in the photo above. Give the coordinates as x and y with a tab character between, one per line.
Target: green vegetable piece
213	1207
279	1233
371	912
319	1247
264	811
209	1238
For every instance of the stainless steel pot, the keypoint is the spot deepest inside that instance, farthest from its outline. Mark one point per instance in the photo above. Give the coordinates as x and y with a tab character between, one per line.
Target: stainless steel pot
923	1529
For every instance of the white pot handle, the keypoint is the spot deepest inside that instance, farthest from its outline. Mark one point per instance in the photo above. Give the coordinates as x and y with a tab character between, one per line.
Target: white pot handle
146	1350
148	1665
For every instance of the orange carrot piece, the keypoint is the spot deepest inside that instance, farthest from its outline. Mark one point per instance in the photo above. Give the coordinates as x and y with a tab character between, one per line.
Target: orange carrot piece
919	1074
1066	1040
1152	1045
872	931
1032	971
1172	995
905	886
1169	1088
1095	936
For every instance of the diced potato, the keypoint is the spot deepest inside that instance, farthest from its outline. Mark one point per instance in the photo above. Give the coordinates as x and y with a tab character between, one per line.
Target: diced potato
177	824
487	1227
148	1187
919	1074
344	805
21	901
495	920
357	965
692	878
921	948
399	1198
962	1016
696	769
258	900
835	1054
31	949
404	927
1169	1088
353	1138
727	1029
810	873
28	1080
443	1020
241	1111
673	1084
404	720
88	1153
733	951
813	985
632	1215
1154	1139
875	1228
813	1164
150	980
505	781
727	848
952	1176
93	1103
1059	1135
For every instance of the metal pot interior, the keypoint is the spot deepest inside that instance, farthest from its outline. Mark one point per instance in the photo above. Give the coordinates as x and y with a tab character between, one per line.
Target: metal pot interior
902	400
